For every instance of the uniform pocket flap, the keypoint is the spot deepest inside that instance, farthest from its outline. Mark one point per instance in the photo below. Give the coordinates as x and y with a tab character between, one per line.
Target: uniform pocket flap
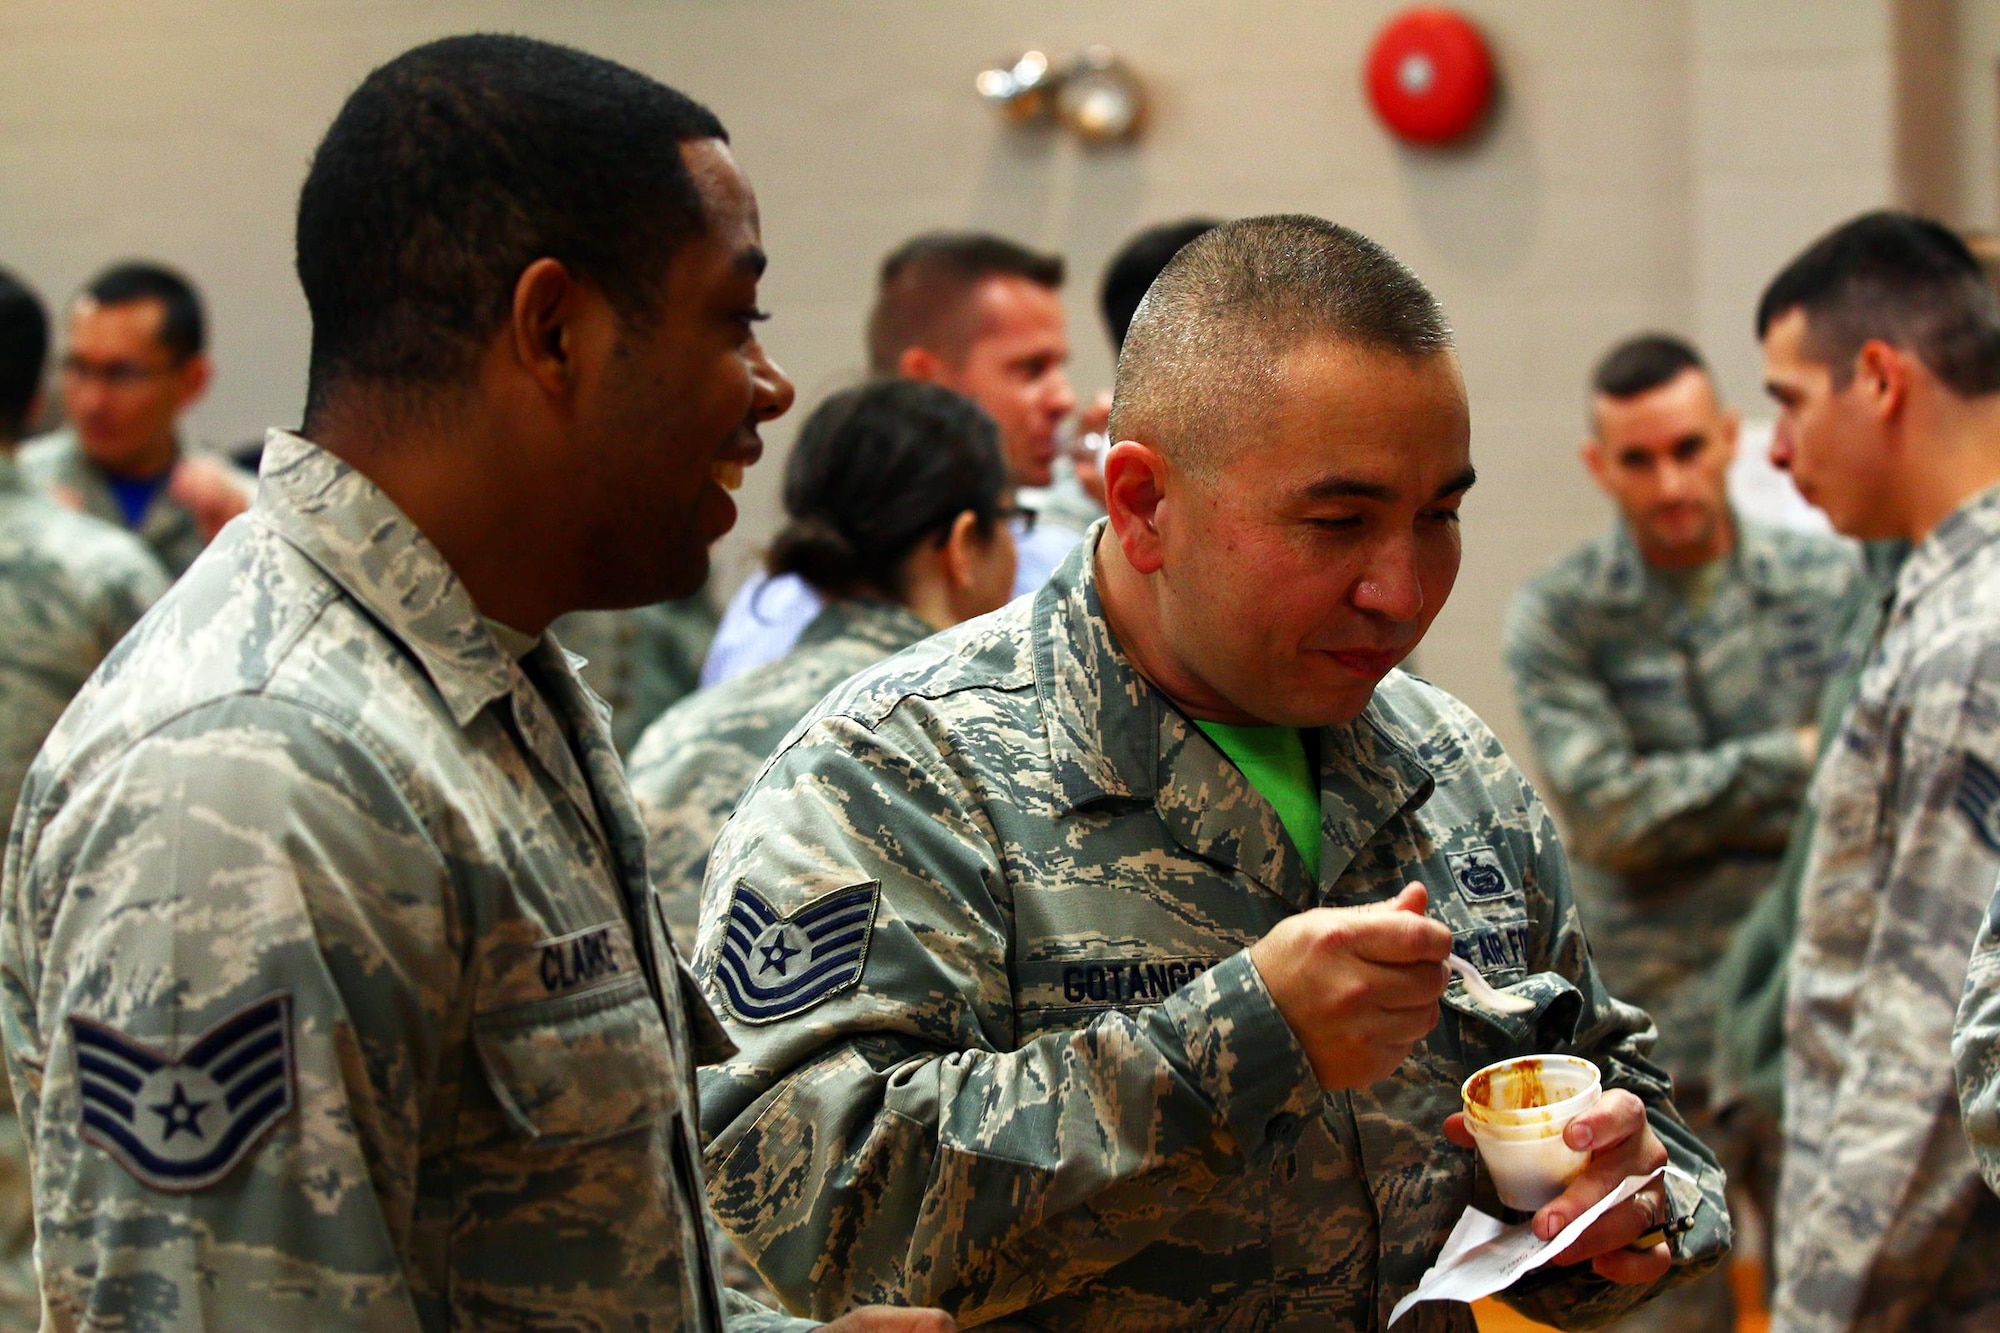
1558	1009
580	1068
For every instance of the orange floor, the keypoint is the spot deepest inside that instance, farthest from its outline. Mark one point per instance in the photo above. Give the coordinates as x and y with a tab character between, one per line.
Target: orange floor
1745	1275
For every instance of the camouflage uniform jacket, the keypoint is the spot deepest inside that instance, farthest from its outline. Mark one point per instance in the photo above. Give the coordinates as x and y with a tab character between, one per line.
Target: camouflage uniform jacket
56	463
333	996
693	765
1882	1221
642	661
70	587
1667	736
980	928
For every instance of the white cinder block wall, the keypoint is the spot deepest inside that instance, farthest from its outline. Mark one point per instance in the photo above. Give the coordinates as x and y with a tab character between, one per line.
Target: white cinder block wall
1651	163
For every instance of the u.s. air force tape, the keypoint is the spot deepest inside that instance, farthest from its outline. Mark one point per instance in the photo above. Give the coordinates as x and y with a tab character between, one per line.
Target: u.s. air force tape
771	966
180	1123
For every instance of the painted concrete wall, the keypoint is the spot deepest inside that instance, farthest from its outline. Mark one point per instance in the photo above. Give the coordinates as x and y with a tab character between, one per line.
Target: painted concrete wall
1651	163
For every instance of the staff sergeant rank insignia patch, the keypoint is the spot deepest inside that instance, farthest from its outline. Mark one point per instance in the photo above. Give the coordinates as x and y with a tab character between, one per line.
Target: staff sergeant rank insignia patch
772	966
1979	800
181	1123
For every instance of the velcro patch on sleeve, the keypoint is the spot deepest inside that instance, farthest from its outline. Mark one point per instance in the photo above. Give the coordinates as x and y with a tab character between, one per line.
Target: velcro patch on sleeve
181	1123
1979	800
1478	872
772	966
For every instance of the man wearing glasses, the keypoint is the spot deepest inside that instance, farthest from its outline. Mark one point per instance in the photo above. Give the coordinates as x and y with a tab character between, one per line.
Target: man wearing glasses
135	363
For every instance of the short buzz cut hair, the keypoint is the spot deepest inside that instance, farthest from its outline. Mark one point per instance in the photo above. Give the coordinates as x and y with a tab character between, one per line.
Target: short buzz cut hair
1207	340
923	297
456	165
1139	261
183	327
1901	279
1642	364
24	352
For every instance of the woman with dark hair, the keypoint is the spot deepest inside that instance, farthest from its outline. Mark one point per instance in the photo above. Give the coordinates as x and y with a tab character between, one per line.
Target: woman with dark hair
898	514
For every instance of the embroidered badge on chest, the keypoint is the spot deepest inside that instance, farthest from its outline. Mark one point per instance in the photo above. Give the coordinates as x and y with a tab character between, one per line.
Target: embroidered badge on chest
1979	800
181	1123
773	966
1478	873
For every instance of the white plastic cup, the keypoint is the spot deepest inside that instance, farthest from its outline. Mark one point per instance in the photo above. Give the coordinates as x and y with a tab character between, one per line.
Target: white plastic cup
1517	1110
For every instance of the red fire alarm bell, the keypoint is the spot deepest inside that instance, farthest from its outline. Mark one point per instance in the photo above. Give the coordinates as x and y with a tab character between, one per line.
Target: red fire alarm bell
1430	75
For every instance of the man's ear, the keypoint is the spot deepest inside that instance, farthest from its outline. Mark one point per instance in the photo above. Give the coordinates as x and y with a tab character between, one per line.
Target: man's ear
920	363
1883	373
541	329
1136	484
1591	451
194	374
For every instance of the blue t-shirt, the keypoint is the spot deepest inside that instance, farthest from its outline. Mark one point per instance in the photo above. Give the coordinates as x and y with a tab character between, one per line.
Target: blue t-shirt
135	495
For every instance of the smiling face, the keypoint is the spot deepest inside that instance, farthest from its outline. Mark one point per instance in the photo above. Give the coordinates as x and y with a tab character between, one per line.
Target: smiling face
1663	457
1319	552
1013	368
675	420
1830	439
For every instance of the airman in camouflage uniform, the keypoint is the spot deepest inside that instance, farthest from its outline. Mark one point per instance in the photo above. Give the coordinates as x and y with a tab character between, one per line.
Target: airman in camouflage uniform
1669	736
1881	1209
315	791
70	588
693	764
135	363
1667	673
1881	1205
642	661
334	991
1058	1087
1006	940
1883	1222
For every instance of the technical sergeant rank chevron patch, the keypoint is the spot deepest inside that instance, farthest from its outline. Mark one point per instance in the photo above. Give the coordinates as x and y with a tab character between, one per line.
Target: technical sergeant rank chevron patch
181	1123
772	966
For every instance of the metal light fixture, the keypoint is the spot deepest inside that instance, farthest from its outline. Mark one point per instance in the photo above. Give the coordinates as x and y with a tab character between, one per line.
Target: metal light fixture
1020	89
1094	93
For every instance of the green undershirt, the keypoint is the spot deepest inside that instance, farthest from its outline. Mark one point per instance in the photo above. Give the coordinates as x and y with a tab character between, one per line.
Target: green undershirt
1273	760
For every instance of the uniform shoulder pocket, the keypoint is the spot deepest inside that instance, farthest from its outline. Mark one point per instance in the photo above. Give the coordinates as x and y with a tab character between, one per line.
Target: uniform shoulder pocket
580	1068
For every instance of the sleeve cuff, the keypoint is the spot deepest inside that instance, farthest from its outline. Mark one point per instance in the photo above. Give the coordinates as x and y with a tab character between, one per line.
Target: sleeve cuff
1241	1052
741	1314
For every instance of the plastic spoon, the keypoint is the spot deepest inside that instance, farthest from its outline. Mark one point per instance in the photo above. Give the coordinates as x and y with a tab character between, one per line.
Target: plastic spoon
1476	986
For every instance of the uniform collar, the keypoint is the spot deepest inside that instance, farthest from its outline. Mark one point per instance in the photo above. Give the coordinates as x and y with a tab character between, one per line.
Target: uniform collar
1965	531
342	522
1112	735
1623	575
886	626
